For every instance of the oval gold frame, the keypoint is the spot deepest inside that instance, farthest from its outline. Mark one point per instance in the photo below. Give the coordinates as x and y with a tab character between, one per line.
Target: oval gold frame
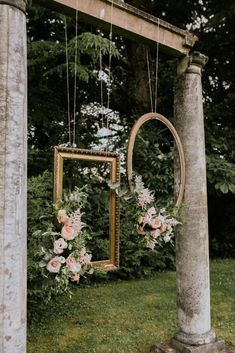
143	119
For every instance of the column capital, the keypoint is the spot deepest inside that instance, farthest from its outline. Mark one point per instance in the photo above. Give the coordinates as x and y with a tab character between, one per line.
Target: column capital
197	61
18	4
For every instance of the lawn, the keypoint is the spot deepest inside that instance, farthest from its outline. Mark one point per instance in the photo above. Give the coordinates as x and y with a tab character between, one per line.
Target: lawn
127	316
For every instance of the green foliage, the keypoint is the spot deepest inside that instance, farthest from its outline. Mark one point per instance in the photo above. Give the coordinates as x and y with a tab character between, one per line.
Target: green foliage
49	274
136	259
221	174
212	21
47	72
40	195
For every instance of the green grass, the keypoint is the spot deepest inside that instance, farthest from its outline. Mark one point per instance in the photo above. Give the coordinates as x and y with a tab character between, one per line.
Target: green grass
127	316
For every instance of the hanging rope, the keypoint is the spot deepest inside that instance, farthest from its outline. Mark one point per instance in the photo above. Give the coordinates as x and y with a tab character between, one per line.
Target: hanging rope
156	70
67	79
75	78
153	95
149	80
104	131
110	54
110	63
101	89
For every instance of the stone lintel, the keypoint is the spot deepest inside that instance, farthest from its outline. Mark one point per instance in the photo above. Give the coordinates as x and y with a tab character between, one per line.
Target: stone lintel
127	21
177	347
18	4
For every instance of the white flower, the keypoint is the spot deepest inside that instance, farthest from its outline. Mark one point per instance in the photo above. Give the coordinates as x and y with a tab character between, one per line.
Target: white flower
151	244
75	268
75	221
59	246
85	260
173	222
169	230
73	265
151	211
145	197
61	259
166	238
139	185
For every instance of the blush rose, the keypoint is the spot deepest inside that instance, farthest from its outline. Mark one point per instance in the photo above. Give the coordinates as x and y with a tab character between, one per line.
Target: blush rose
54	265
68	232
59	246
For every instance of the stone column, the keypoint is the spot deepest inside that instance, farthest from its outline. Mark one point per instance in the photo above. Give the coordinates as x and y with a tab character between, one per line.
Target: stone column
13	149
192	257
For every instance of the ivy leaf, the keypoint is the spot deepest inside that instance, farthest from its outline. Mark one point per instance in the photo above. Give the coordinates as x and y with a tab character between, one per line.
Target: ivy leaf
224	188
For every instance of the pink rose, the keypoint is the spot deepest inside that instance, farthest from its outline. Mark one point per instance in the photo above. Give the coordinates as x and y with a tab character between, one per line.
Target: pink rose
75	278
155	223
68	232
163	228
72	264
59	246
54	265
155	233
63	218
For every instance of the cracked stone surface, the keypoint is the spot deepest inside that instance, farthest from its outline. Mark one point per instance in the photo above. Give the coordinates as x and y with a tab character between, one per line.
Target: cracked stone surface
13	149
192	257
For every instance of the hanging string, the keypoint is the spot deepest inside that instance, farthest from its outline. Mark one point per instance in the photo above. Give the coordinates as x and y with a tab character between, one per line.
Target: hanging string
101	90
156	70
104	132
153	95
110	62
67	79
110	54
75	79
149	80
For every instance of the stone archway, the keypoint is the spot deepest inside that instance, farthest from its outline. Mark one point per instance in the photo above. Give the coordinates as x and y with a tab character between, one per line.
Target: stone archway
193	291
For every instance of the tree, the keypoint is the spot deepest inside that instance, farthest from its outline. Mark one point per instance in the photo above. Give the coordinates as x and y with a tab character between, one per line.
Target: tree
211	20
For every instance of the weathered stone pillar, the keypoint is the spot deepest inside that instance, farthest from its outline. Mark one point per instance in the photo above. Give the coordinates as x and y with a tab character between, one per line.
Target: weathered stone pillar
13	149
192	256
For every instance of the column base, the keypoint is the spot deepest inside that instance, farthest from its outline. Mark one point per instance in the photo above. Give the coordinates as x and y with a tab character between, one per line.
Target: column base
213	347
195	339
178	347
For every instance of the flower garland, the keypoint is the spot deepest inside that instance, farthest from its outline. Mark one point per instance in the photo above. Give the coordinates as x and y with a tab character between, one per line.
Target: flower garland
156	226
68	259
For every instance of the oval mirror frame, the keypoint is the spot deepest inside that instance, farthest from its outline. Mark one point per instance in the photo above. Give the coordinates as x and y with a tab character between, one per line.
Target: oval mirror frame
143	119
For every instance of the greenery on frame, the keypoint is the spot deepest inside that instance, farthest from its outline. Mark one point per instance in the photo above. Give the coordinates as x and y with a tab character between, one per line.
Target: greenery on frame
136	259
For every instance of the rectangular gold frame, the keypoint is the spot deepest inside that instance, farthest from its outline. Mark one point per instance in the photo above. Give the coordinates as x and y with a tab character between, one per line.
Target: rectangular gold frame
61	153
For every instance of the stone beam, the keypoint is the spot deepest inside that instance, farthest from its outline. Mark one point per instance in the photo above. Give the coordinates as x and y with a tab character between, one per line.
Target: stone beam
127	21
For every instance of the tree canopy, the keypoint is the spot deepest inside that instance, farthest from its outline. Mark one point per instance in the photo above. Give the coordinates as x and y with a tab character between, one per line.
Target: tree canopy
211	20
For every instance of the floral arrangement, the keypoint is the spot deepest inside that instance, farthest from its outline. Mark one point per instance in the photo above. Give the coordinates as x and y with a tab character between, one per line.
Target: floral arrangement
67	259
156	226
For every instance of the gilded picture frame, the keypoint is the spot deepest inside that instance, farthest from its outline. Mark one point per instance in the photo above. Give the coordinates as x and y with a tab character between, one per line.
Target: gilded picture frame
63	153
